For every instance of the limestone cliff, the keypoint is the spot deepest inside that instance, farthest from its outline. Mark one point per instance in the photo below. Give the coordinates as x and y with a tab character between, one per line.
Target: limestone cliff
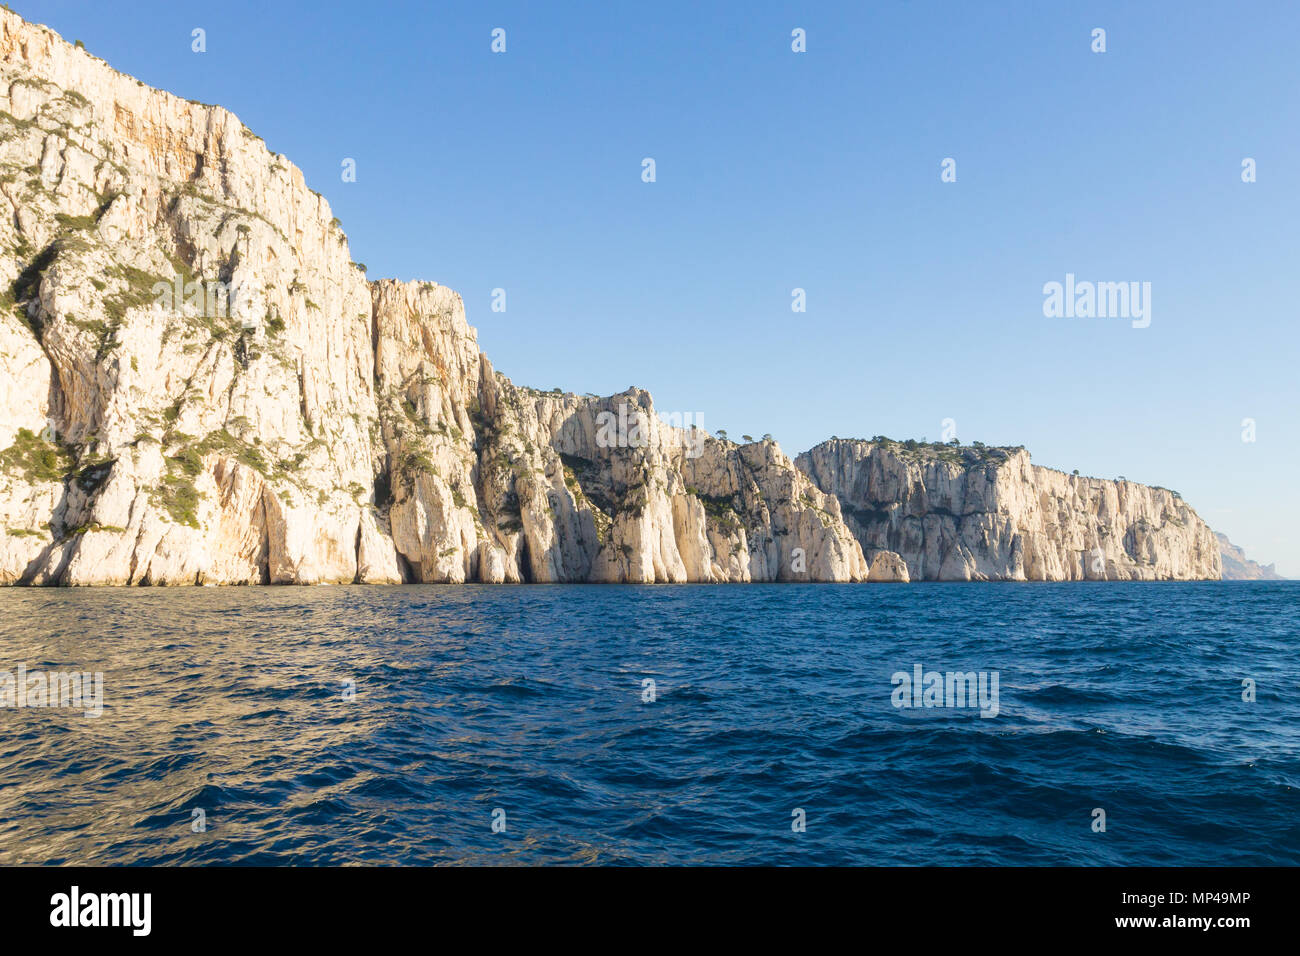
483	480
1238	567
178	436
198	386
988	514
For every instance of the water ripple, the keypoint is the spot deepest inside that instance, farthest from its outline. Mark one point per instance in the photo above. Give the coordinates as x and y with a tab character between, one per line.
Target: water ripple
348	726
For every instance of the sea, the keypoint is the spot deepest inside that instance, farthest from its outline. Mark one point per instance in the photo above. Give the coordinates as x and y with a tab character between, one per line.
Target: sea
1084	723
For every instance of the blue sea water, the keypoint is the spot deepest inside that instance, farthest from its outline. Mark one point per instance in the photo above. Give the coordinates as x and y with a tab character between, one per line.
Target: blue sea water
768	699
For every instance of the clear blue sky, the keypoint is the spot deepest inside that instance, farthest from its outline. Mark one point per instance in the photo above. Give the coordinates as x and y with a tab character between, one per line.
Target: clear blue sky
819	170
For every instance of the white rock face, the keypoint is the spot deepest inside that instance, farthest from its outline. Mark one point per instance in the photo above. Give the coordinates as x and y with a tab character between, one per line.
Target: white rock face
200	387
987	514
889	568
512	484
209	440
